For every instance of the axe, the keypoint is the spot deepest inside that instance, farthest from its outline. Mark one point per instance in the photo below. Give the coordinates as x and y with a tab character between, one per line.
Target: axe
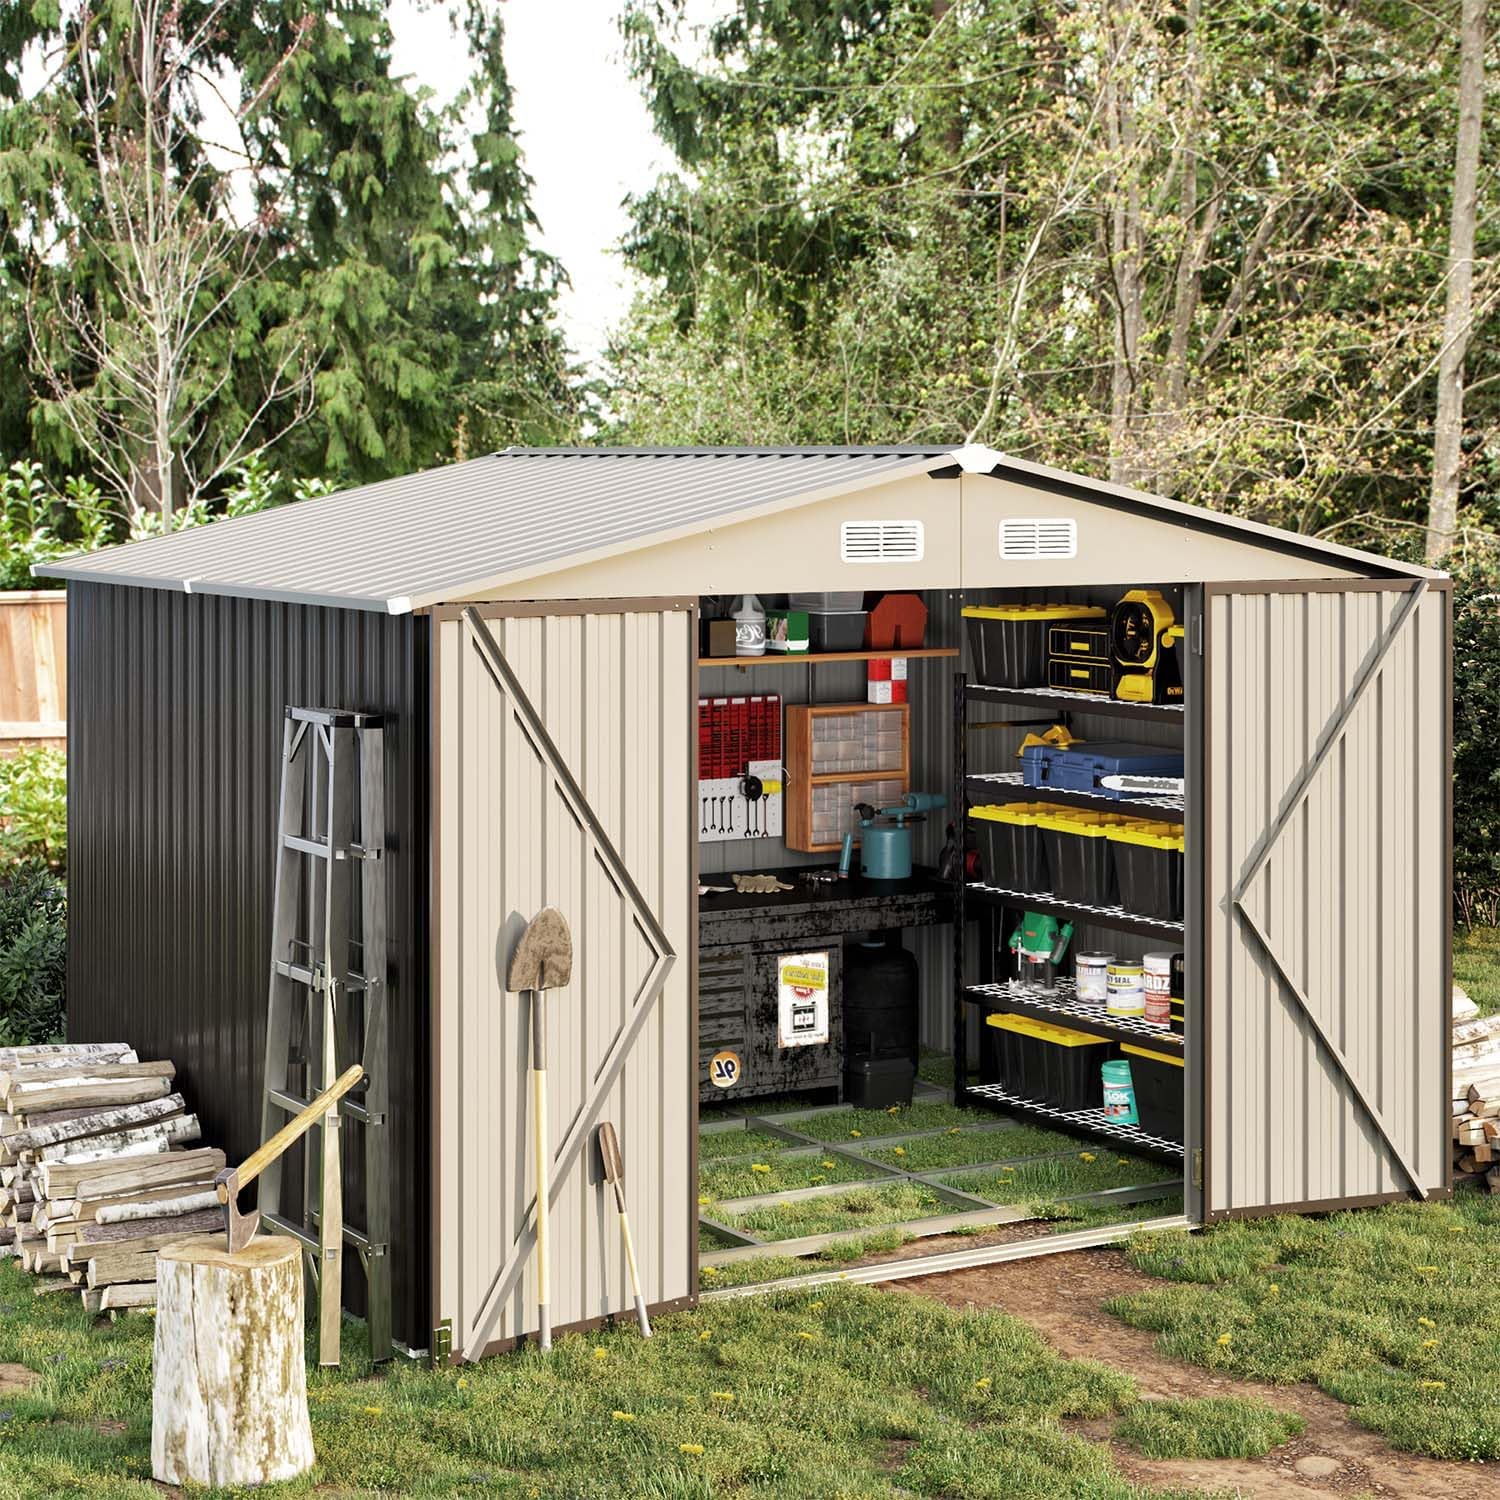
239	1229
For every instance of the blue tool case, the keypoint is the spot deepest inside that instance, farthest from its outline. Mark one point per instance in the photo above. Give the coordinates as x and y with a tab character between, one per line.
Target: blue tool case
1083	767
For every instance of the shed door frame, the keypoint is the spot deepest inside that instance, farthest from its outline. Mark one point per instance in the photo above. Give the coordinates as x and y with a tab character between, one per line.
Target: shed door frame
442	1349
1414	590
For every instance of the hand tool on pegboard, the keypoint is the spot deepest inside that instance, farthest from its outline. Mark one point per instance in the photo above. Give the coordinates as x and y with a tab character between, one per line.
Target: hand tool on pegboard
740	773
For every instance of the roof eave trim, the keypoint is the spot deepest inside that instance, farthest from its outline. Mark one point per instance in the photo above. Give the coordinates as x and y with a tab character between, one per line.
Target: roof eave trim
397	605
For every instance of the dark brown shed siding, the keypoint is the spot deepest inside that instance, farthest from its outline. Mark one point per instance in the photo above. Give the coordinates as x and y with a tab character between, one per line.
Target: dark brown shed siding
174	750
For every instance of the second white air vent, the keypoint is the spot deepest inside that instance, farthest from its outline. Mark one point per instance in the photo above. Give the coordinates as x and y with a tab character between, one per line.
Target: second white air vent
880	541
1037	538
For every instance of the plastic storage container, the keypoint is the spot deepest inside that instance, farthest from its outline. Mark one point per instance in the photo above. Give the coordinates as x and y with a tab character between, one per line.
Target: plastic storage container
836	630
1147	860
1078	858
1158	1091
1119	1093
880	1024
1083	767
1009	642
879	1082
1054	1064
1010	845
845	602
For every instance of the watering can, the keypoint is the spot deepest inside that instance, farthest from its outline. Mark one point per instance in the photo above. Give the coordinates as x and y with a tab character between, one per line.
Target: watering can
885	834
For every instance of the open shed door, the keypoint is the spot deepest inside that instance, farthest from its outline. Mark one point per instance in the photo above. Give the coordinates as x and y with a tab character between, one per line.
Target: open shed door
1326	893
563	765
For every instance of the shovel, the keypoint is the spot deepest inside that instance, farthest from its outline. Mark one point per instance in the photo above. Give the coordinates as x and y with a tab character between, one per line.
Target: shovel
614	1175
543	961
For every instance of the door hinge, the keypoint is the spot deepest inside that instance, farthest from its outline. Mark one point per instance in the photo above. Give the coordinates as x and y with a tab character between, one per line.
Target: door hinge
442	1344
1198	1167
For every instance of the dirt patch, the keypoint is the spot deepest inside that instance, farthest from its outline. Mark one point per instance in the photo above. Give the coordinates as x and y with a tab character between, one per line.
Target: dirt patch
1063	1296
16	1378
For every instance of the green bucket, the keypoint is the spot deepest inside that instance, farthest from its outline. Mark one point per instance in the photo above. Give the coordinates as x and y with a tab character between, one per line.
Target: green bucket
1119	1094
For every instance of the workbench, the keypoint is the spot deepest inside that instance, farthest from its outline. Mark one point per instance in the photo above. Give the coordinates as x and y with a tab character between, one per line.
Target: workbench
741	941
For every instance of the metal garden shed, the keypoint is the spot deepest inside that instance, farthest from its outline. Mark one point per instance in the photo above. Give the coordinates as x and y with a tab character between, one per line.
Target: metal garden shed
526	624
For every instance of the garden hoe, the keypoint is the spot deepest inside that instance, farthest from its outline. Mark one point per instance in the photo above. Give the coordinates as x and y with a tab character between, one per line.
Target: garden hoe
614	1175
543	961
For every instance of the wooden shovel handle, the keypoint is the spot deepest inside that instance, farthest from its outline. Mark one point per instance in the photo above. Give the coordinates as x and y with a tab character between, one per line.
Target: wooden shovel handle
265	1154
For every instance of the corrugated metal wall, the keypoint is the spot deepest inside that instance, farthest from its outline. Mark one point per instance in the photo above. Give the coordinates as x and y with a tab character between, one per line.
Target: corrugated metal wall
174	749
615	693
1342	863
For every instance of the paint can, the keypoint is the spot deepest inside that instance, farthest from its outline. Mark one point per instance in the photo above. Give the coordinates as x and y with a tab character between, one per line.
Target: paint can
1125	989
1090	973
1119	1094
1157	975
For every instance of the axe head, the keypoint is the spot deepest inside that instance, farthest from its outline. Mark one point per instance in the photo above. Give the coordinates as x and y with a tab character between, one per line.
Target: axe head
543	959
239	1229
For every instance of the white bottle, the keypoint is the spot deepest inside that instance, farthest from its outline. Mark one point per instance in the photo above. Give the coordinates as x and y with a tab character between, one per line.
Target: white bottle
749	627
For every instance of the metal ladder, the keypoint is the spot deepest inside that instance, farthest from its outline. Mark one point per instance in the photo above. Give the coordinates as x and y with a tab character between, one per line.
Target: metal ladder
327	1010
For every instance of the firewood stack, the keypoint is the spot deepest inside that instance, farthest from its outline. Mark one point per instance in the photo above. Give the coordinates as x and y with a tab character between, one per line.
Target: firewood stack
1476	1094
98	1171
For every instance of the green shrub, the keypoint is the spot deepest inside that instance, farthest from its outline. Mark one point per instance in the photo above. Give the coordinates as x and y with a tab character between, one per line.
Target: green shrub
33	955
34	807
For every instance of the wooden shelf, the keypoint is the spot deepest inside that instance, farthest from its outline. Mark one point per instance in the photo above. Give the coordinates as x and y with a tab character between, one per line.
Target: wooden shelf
1114	917
813	658
836	778
1060	702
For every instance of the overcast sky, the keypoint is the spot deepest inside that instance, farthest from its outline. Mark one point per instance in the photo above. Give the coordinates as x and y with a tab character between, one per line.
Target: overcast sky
584	130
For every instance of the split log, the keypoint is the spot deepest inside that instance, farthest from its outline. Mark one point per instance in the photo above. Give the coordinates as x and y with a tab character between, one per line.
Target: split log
85	1209
158	1231
53	1284
229	1398
127	1294
143	1139
93	1301
40	1051
160	1208
104	1122
96	1093
64	1072
103	1179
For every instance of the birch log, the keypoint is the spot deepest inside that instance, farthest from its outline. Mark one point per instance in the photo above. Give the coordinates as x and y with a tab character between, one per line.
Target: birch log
229	1395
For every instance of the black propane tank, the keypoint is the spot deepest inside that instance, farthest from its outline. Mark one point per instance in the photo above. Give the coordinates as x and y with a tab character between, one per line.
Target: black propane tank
880	1023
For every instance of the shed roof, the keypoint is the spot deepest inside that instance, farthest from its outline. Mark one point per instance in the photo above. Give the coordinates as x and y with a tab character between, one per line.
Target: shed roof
452	532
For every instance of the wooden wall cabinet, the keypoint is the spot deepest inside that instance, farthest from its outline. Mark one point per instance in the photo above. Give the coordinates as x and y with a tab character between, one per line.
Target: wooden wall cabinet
838	755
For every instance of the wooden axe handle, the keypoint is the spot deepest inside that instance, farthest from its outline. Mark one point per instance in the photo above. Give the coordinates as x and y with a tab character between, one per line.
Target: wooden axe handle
293	1130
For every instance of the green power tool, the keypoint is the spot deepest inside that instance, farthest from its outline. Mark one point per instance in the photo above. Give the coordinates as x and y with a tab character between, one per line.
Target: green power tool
1039	943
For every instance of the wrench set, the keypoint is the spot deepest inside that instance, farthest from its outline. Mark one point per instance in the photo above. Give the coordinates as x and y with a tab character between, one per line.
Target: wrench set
739	768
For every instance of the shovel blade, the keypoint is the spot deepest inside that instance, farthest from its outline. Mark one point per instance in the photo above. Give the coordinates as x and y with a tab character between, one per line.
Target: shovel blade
543	959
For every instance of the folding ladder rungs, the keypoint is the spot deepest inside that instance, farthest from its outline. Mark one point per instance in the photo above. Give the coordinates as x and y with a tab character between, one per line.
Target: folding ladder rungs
318	848
292	1105
315	979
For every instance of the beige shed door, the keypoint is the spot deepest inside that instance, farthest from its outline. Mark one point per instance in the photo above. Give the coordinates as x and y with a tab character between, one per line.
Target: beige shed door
564	759
1327	894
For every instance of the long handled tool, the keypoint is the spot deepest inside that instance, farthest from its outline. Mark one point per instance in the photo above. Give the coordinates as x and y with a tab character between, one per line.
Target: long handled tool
543	961
614	1175
239	1229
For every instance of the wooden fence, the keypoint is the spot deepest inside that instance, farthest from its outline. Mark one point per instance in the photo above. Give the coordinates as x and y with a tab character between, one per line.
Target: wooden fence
33	669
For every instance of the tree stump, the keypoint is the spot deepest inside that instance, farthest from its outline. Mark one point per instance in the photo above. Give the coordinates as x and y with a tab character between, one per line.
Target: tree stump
229	1396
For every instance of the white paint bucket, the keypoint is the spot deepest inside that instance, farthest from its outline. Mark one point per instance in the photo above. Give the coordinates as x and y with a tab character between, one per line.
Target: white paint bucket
1157	976
1090	970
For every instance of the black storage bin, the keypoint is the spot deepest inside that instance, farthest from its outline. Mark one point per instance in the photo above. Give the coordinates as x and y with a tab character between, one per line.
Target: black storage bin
1010	848
1079	863
1158	1079
842	630
879	1082
1148	872
1053	1064
1009	642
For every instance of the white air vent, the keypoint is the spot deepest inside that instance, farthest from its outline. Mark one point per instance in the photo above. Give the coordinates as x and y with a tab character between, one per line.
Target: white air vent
1031	539
880	541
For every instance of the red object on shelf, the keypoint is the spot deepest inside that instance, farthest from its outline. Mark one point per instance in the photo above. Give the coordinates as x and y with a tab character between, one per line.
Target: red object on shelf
898	620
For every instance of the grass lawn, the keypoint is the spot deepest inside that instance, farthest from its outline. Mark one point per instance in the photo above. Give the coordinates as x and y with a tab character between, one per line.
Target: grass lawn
963	1148
1063	1177
870	1124
778	1173
845	1392
1392	1311
1476	965
859	1208
715	1145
